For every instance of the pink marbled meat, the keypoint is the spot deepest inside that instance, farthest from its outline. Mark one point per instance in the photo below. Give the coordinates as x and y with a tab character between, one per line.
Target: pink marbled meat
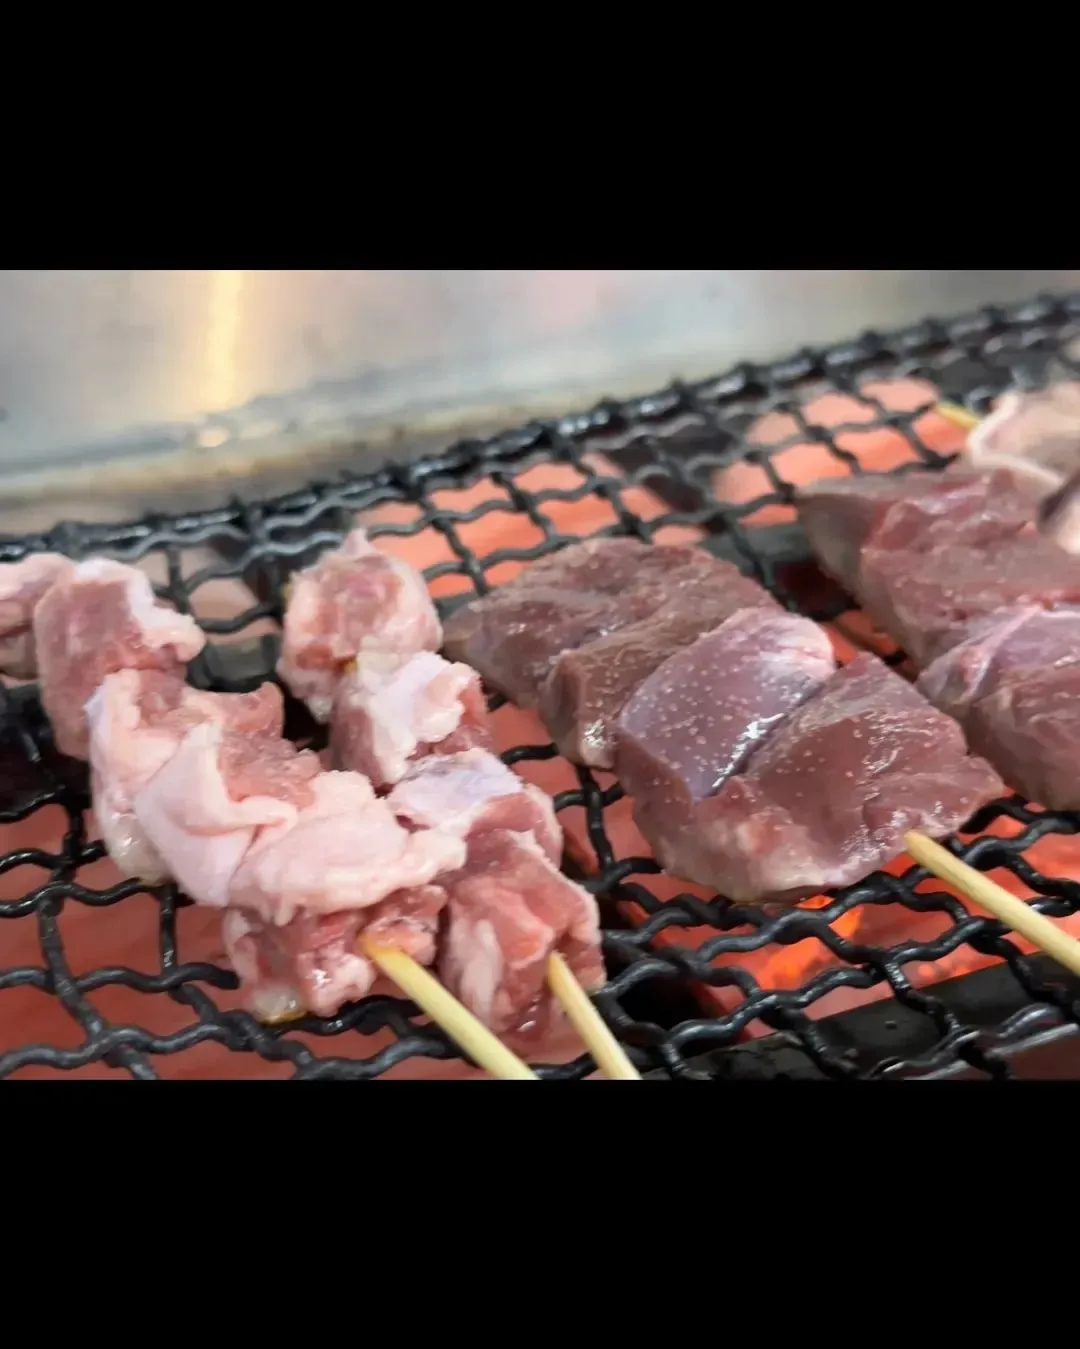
470	793
137	720
22	585
343	849
383	720
313	963
99	618
203	809
510	909
353	604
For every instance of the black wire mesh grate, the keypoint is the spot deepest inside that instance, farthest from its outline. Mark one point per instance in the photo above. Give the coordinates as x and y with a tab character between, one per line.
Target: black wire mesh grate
646	467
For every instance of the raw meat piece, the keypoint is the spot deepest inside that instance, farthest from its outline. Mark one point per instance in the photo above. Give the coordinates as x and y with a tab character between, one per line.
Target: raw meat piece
1014	687
579	594
1035	433
202	810
509	910
928	581
99	618
136	721
929	566
384	720
830	794
842	515
354	603
341	849
1037	436
312	964
470	793
587	688
694	721
22	585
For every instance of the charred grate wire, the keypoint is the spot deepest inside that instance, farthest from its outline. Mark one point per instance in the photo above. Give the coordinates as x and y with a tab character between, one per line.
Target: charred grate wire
672	443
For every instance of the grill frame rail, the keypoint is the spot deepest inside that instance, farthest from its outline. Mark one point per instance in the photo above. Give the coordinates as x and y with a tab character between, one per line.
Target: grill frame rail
984	1024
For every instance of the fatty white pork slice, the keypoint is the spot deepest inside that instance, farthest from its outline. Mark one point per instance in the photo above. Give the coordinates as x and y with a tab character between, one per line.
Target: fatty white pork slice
383	720
202	810
354	865
306	892
472	792
96	619
354	603
202	788
341	849
137	720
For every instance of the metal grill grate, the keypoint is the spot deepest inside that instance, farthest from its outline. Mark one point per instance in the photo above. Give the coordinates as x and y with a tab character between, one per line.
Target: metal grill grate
674	444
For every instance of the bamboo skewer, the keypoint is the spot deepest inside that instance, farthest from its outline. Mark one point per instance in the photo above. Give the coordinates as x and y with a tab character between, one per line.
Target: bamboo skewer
959	416
469	1033
988	895
610	1056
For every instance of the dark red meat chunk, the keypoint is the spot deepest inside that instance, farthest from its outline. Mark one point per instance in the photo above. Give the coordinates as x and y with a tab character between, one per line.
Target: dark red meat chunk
587	688
692	724
575	596
1015	688
829	796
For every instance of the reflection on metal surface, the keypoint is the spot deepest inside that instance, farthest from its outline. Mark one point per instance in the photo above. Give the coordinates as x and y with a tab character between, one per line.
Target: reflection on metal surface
226	290
99	367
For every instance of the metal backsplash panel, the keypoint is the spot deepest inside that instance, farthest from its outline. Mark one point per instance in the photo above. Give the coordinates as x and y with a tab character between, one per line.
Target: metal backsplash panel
220	372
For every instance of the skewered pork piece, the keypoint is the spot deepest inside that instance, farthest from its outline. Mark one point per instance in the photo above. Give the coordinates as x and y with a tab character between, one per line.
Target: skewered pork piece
509	906
22	585
353	604
341	849
472	792
96	619
359	647
312	963
491	914
202	788
137	720
71	624
385	719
